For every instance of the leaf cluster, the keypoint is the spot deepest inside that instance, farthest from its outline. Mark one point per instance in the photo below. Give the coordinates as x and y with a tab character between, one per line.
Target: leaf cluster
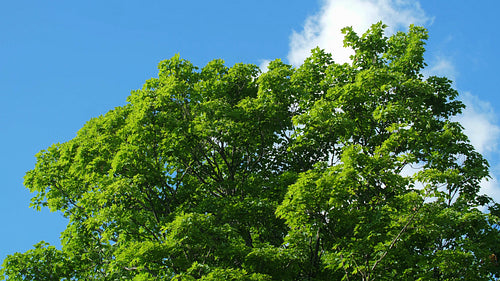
327	171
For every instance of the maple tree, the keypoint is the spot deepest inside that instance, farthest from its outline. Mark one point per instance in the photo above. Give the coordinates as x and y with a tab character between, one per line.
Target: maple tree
326	171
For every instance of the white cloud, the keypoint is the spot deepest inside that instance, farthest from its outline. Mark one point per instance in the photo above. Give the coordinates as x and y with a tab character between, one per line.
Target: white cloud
263	65
479	118
323	29
479	121
442	67
491	188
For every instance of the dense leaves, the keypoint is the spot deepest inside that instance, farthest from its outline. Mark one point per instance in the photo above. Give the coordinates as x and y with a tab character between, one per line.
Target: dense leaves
322	172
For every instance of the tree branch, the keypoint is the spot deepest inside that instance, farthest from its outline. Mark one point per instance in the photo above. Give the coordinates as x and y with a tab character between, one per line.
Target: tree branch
397	236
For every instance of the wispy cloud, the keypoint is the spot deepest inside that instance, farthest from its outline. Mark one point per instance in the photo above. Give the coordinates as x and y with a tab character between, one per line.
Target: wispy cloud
479	118
441	66
263	65
481	126
323	29
480	123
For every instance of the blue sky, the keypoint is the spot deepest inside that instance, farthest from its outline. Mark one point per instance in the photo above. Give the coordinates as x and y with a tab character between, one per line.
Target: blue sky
64	62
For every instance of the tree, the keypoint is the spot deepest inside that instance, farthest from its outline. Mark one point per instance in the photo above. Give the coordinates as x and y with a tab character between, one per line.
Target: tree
323	172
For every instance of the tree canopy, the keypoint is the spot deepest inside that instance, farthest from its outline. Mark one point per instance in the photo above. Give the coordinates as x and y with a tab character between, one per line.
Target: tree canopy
325	171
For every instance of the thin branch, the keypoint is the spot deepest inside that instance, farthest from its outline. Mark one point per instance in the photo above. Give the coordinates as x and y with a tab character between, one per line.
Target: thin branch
397	236
344	267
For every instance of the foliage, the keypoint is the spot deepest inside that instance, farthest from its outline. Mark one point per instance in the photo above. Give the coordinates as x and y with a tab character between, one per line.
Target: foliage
44	262
322	172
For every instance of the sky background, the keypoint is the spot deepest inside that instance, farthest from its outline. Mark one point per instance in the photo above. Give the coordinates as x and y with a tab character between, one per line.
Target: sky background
64	62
